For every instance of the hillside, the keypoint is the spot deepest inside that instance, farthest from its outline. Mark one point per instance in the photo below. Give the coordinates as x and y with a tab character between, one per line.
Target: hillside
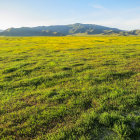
134	32
60	30
25	31
69	88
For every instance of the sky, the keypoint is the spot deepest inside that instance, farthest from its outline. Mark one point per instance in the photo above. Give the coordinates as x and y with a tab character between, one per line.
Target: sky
122	14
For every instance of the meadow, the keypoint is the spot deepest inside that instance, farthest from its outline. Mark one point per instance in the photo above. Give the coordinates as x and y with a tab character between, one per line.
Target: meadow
70	88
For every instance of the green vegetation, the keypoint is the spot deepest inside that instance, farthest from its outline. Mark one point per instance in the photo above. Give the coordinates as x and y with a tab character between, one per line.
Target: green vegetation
61	30
69	88
68	30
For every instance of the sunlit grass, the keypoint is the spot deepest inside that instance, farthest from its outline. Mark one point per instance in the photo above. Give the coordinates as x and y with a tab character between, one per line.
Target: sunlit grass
69	88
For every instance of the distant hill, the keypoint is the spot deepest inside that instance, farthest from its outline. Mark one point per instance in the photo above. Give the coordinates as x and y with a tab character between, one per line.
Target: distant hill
134	32
1	30
64	30
26	31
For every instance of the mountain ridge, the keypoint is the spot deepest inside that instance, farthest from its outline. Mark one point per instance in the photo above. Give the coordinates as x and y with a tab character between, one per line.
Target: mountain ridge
65	30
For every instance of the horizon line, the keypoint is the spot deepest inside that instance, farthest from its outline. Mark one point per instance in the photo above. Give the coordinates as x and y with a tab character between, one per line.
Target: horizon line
63	25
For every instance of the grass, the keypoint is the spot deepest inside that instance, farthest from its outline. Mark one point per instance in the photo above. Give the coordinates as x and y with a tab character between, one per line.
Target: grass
60	88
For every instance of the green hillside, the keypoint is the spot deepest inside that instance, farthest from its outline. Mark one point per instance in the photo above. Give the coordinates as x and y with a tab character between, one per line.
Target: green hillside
59	30
70	88
77	29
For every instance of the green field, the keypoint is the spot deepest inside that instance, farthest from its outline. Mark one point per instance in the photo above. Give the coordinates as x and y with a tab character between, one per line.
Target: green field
70	88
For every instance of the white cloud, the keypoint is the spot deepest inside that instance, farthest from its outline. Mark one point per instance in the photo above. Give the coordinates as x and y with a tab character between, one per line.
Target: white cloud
126	19
97	6
124	24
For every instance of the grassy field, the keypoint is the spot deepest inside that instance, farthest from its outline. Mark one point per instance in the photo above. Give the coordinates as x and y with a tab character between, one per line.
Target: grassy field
70	88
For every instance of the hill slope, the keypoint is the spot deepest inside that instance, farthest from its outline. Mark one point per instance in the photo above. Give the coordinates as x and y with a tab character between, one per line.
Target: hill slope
60	30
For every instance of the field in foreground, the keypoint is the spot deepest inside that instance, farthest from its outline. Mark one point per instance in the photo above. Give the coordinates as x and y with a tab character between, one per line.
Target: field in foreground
70	88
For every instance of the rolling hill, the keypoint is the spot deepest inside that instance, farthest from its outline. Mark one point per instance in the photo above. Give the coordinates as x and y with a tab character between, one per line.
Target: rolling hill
65	30
60	30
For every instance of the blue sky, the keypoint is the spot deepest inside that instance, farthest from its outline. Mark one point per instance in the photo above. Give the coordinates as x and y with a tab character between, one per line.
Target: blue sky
123	14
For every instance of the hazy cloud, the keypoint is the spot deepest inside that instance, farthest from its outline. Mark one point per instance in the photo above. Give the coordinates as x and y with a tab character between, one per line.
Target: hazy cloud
97	6
16	14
